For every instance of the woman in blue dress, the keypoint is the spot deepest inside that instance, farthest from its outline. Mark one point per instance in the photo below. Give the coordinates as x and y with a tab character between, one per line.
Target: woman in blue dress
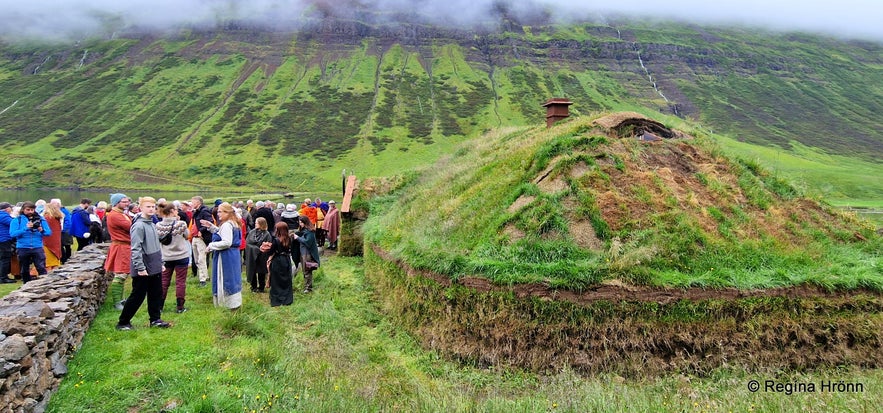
226	260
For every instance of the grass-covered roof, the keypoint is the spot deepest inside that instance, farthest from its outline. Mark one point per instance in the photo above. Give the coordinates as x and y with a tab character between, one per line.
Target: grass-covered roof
583	203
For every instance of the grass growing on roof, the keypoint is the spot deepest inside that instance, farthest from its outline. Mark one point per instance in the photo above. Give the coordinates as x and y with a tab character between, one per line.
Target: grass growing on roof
676	214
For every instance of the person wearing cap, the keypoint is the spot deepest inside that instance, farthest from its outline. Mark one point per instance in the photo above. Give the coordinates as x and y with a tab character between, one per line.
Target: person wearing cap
289	216
28	229
119	255
332	225
215	209
6	243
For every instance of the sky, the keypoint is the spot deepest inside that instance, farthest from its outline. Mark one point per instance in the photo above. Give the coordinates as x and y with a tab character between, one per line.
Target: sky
64	20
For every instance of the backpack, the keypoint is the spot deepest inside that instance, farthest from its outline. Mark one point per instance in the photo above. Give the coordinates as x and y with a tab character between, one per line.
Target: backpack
105	234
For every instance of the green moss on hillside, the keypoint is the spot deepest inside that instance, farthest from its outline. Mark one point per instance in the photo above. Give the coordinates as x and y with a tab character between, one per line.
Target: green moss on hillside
359	99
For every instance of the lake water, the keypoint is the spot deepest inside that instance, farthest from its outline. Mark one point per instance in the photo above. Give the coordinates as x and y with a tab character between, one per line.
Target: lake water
72	197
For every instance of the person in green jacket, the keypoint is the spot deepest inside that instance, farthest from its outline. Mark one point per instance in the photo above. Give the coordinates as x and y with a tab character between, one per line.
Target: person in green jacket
309	250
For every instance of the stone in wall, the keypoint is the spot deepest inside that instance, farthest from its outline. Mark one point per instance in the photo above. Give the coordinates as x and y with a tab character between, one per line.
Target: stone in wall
42	323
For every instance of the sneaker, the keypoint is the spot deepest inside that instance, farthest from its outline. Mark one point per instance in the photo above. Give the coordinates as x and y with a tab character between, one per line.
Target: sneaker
181	310
159	323
119	305
307	291
202	283
7	280
124	327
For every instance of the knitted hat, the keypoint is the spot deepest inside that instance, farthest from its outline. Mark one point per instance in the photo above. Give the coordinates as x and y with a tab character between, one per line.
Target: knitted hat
116	198
218	202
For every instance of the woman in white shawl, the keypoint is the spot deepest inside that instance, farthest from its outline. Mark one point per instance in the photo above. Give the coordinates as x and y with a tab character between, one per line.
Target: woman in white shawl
226	260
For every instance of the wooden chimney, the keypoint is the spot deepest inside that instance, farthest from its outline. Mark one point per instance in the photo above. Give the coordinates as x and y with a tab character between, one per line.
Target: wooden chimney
556	109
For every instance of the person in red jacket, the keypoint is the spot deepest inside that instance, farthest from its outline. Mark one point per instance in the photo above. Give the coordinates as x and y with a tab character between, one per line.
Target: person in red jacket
332	225
119	255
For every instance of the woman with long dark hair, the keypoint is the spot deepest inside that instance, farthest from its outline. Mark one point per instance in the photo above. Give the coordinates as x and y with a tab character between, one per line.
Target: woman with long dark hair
284	253
309	250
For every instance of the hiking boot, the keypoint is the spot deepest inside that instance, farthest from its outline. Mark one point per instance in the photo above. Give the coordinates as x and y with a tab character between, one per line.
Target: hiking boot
7	280
181	310
124	327
119	305
159	324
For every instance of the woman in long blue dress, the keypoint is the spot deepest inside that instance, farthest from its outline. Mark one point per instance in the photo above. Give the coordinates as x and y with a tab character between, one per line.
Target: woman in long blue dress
226	260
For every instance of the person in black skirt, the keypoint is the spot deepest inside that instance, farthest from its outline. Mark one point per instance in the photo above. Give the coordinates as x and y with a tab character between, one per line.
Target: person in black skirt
284	252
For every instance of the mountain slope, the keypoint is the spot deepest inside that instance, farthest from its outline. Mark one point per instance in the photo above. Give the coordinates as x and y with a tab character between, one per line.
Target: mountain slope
276	110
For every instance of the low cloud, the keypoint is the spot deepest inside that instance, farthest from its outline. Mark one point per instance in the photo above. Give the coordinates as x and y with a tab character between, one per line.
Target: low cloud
75	19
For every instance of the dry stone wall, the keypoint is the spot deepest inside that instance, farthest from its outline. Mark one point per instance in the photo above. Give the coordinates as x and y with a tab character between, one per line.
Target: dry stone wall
42	324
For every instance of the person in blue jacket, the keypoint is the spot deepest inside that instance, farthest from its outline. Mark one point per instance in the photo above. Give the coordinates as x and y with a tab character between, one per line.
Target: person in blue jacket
67	240
6	243
80	223
28	229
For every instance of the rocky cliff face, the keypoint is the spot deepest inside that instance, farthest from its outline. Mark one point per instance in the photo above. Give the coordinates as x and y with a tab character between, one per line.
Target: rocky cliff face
340	79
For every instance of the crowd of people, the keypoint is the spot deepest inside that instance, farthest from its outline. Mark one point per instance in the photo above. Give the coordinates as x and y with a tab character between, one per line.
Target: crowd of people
153	240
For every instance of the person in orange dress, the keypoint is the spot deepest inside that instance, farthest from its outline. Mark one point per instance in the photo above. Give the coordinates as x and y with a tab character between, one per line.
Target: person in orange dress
119	256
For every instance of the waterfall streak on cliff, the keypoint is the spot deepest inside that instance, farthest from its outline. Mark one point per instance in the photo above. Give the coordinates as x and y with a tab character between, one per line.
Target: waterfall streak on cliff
650	77
41	64
10	107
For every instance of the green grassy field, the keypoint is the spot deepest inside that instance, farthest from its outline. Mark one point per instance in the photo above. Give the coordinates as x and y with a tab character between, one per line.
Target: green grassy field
334	351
